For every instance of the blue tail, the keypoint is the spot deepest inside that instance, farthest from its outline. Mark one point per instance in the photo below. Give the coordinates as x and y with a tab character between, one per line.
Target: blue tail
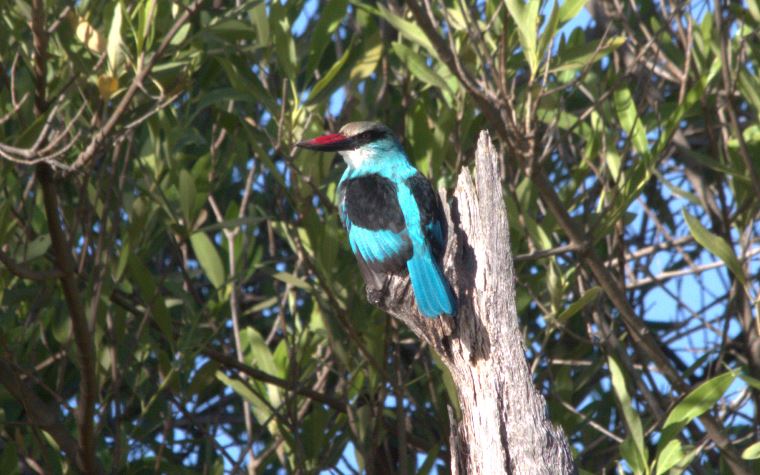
431	290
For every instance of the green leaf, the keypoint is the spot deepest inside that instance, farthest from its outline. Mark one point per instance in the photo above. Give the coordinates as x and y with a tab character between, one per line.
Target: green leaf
676	190
368	61
150	292
203	377
715	244
328	82
233	223
749	85
625	107
257	352
329	19
208	258
230	29
578	57
114	49
145	28
417	66
670	456
291	279
431	457
575	307
409	30
258	15
752	452
753	382
264	304
525	16
638	454
187	196
284	42
700	400
35	248
696	403
549	31
121	264
570	9
9	458
261	409
754	9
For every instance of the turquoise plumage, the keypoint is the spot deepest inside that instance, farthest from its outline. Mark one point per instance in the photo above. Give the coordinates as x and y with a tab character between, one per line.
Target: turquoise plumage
392	215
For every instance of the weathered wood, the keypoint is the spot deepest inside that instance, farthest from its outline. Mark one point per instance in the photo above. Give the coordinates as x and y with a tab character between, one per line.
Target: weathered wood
504	426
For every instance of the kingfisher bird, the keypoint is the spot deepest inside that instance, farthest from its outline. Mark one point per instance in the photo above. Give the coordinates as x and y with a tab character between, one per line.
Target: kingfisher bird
393	217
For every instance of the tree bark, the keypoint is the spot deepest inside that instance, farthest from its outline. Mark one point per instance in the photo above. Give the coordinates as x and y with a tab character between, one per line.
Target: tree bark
504	427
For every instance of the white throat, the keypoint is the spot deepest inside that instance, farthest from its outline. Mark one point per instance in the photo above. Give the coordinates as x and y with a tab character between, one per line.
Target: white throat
356	158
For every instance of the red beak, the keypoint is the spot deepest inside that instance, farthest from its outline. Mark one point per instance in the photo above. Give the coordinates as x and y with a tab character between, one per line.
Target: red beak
328	143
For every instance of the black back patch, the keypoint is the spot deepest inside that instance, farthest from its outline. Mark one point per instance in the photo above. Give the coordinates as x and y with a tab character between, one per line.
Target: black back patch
371	202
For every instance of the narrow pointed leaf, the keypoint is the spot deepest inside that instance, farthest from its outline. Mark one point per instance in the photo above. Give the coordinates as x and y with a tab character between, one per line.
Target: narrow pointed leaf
716	245
700	400
578	57
625	107
637	452
579	304
417	66
186	195
569	9
208	258
114	48
525	16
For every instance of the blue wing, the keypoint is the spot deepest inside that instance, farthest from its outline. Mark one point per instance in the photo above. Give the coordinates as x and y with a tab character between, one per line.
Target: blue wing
371	212
377	233
431	290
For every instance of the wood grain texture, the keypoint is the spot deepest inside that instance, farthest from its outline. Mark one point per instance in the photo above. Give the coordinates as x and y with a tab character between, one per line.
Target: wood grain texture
504	427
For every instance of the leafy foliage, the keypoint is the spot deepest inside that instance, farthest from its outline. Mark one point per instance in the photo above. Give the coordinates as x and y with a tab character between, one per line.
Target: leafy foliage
174	268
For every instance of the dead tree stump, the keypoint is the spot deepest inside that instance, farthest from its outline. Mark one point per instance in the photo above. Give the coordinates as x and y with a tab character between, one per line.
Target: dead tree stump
504	426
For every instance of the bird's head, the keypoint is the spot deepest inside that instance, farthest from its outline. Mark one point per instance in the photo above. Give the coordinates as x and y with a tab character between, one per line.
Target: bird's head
357	142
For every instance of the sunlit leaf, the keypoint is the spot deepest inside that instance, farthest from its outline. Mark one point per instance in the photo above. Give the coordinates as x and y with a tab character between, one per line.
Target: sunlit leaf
670	456
752	452
367	62
115	46
569	9
525	16
107	86
291	279
91	38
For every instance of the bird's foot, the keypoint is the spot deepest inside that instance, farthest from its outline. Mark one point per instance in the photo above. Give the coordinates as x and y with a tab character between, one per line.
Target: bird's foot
375	296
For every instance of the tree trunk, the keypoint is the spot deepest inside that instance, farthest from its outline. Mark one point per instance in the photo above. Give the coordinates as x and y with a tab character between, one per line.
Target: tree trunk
504	427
